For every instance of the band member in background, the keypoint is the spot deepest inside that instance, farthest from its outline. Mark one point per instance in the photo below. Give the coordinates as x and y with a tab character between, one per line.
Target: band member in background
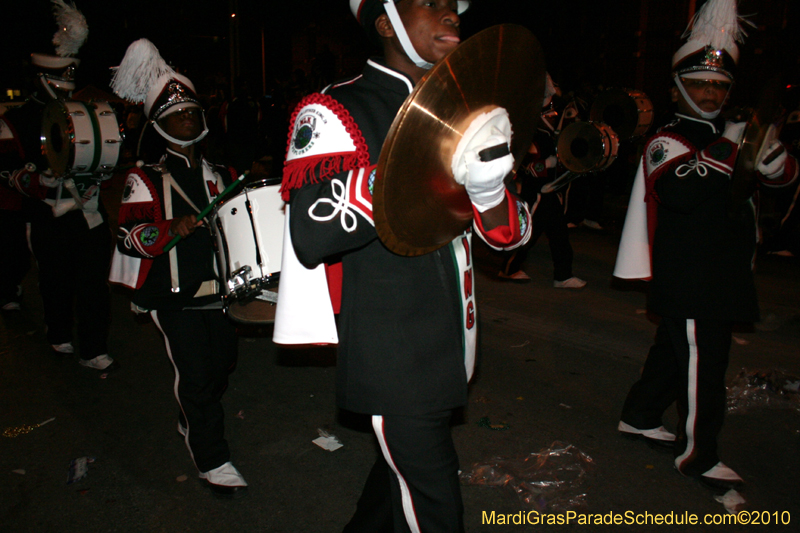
406	324
15	262
702	279
72	248
179	288
539	168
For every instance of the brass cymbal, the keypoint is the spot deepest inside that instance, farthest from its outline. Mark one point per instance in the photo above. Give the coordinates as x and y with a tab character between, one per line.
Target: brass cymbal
763	126
417	205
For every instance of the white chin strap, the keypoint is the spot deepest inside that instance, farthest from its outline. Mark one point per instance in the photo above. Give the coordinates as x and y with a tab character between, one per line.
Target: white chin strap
400	31
708	115
182	144
49	83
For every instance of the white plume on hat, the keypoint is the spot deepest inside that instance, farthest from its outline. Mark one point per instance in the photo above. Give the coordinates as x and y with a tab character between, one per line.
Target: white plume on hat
139	71
72	28
717	25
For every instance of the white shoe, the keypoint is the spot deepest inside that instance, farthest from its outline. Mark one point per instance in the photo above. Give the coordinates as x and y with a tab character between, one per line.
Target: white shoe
782	253
592	224
101	362
65	348
11	306
571	283
519	275
656	437
721	477
659	433
225	481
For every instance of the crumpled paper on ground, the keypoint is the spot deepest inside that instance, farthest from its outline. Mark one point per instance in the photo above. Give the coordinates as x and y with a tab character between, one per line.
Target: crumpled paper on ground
327	441
732	500
551	479
763	388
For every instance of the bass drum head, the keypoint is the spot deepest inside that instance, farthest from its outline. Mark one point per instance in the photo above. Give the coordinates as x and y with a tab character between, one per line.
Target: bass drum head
582	147
57	137
628	112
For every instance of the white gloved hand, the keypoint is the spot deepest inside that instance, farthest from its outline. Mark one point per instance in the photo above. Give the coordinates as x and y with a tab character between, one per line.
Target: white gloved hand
734	131
774	168
485	179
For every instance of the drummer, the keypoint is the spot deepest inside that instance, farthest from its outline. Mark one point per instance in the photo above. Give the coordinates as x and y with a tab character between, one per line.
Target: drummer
702	279
179	288
72	248
407	324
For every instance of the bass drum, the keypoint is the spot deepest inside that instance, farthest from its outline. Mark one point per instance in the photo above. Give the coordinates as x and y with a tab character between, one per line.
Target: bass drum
248	231
81	138
627	111
587	147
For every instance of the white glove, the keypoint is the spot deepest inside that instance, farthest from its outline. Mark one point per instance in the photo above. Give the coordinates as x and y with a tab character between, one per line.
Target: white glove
485	179
734	131
774	168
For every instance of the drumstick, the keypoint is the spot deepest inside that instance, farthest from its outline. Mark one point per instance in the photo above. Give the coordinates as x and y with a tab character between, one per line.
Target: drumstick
207	209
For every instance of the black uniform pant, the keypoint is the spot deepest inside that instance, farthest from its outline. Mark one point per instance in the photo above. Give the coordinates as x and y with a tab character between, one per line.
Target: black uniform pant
686	364
413	485
548	218
16	257
586	198
203	348
73	263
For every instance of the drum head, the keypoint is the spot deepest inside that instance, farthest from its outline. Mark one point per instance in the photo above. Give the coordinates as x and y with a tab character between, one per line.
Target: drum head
57	133
584	147
618	108
255	312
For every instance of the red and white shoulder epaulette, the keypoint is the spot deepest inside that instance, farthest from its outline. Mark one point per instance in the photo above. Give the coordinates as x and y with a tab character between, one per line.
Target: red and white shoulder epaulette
324	140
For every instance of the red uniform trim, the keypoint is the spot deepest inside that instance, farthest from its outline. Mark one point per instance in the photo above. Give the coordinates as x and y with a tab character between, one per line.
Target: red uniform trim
305	170
501	236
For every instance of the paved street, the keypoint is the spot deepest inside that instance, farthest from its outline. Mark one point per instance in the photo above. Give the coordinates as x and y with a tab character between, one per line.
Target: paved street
555	367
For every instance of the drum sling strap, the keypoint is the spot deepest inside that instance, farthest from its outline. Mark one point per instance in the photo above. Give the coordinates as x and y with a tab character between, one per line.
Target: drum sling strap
169	184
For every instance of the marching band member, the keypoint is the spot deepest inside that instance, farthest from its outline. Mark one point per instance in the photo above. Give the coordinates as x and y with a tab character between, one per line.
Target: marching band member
702	279
406	324
72	248
540	168
179	288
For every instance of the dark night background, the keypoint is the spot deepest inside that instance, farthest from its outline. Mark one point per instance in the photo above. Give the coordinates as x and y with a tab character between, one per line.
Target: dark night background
600	42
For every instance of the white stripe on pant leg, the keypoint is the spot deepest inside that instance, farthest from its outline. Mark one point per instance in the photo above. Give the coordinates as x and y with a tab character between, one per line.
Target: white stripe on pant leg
408	503
154	314
691	417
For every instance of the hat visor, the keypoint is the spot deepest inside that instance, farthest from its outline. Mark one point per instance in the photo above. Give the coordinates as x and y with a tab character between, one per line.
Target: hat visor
179	106
705	75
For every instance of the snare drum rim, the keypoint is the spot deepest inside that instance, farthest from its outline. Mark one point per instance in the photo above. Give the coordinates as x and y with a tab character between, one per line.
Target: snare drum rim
81	119
610	141
110	148
264	182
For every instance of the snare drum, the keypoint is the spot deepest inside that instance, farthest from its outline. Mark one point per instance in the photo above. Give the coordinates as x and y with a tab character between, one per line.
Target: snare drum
587	147
81	138
248	231
629	112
